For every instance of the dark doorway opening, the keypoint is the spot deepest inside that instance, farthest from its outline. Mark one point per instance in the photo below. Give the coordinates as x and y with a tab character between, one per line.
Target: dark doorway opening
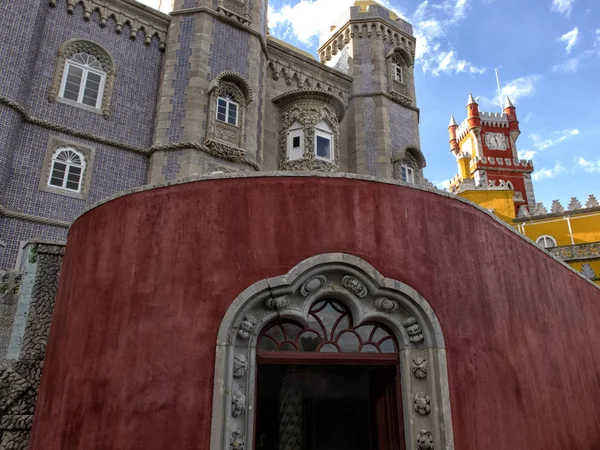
328	407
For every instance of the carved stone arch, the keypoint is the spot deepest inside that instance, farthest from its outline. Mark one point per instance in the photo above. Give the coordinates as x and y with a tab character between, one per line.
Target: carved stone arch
66	51
411	157
411	151
236	79
403	53
369	297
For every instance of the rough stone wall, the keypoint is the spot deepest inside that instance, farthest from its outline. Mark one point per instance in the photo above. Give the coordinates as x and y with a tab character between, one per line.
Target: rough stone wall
19	381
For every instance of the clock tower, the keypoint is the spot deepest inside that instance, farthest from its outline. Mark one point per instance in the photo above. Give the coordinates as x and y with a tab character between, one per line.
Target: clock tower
485	147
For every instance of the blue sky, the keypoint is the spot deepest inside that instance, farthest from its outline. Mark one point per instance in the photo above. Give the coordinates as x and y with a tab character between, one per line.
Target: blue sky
548	56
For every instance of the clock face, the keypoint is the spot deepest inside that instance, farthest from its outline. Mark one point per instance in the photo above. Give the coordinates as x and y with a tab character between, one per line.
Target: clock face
496	141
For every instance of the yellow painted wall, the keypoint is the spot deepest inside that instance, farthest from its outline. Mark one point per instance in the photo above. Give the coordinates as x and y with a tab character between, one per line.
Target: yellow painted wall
595	266
585	229
500	202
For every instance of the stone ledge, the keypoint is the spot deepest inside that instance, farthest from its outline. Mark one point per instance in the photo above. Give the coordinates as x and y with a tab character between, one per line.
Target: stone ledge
32	218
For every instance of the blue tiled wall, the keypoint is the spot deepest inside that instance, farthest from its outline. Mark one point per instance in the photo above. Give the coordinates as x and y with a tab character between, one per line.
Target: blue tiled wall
402	127
229	50
10	123
13	231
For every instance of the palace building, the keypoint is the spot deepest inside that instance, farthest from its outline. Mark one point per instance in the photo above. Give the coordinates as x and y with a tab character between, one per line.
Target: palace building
492	176
212	240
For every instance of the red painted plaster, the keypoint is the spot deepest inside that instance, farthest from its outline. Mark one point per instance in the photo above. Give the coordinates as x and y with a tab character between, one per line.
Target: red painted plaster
148	277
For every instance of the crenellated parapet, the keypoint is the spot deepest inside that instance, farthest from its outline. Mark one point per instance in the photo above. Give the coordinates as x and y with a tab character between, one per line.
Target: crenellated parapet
523	165
557	209
126	13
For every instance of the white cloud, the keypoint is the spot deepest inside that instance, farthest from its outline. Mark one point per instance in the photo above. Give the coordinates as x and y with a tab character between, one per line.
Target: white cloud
309	19
563	6
527	154
544	174
540	143
515	89
444	185
162	5
570	39
588	166
571	65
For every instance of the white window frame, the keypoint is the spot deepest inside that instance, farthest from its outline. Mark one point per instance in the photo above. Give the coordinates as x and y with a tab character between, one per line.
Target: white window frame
68	166
398	71
295	131
228	102
542	242
85	72
323	130
410	174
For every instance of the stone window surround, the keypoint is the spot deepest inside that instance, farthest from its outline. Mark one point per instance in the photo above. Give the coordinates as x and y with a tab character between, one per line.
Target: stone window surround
323	130
240	89
67	49
67	165
55	144
370	297
399	57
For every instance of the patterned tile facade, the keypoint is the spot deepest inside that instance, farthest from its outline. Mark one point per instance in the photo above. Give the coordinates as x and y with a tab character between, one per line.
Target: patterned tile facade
229	50
10	125
403	120
368	113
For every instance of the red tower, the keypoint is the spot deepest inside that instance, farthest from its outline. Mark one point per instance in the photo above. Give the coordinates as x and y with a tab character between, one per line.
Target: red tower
489	140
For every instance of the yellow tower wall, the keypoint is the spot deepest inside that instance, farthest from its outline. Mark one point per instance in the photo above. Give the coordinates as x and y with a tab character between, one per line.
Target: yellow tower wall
500	202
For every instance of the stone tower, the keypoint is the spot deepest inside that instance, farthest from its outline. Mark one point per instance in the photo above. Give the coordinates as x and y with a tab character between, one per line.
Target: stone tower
216	50
377	48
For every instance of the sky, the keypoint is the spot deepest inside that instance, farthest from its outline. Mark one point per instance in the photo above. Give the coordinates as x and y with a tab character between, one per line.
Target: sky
547	53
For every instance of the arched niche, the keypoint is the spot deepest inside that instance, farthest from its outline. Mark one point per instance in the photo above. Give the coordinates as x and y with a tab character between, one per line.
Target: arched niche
370	298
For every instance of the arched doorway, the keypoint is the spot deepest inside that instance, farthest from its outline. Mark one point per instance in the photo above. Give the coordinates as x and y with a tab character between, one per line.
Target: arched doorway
328	384
332	321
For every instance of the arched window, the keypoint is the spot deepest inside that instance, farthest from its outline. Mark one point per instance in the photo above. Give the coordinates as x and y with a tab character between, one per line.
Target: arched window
84	76
227	108
407	174
546	242
296	141
66	171
397	70
83	80
323	141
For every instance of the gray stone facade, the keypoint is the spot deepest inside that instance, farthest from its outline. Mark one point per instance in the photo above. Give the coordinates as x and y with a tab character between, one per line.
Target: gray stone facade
158	121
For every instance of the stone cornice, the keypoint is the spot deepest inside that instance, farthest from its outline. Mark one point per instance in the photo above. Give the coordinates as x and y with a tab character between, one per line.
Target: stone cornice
31	218
125	12
580	252
226	19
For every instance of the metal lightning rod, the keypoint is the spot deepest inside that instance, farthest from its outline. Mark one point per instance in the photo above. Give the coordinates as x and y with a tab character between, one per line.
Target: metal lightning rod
499	92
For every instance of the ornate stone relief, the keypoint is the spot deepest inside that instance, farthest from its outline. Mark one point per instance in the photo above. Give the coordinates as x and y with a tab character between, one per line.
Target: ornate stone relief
425	440
415	334
419	368
10	285
386	305
309	107
291	296
312	285
238	404
235	9
422	404
354	286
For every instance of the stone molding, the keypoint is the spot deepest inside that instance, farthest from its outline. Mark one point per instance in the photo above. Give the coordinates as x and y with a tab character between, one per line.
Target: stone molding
225	18
66	51
54	144
556	215
425	187
395	97
20	382
125	12
370	298
579	252
31	218
212	147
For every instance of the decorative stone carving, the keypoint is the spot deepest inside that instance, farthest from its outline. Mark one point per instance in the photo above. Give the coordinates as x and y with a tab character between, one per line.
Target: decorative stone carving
354	286
419	368
10	285
247	326
240	365
415	334
238	441
386	305
425	440
312	285
277	304
225	135
422	404
238	404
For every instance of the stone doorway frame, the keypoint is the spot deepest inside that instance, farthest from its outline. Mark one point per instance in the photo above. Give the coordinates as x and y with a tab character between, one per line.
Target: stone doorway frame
370	297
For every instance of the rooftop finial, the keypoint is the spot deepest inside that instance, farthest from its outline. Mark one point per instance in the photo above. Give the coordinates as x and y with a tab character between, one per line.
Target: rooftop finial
471	100
452	122
509	104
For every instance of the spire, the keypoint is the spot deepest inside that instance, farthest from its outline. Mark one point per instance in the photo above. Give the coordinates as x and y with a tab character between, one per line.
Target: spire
471	100
452	122
509	104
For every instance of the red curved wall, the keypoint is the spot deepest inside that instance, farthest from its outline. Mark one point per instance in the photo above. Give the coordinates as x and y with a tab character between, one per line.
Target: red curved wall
147	278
